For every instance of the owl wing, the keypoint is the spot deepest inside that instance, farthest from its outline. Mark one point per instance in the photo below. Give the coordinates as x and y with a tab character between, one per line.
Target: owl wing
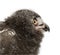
6	38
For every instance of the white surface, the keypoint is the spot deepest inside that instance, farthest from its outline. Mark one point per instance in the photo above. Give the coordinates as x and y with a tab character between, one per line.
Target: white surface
49	11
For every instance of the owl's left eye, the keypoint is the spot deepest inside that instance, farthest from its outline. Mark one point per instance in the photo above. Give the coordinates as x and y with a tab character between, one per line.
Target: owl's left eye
35	22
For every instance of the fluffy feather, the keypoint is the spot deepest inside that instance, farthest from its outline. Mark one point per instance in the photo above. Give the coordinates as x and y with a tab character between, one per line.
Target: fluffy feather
26	40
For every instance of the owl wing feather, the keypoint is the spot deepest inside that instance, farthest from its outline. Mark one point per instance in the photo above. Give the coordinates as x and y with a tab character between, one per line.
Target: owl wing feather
6	38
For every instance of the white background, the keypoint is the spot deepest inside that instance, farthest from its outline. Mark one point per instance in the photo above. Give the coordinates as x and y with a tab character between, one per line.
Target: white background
49	10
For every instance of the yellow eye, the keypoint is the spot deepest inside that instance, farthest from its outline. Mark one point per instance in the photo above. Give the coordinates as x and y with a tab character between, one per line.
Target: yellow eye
35	22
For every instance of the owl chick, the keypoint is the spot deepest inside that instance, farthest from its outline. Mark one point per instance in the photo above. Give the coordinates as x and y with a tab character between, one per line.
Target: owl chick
22	33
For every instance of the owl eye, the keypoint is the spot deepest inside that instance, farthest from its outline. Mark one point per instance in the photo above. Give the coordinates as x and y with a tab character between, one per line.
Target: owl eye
35	22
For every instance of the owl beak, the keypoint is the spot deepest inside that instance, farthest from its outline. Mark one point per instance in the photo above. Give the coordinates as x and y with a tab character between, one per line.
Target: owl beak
46	28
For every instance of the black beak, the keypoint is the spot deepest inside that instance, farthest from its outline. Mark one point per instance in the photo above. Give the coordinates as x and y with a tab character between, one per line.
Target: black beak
46	28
